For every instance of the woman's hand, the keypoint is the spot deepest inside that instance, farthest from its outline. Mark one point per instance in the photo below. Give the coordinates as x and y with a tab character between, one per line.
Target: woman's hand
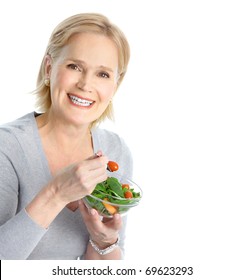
79	180
71	184
103	232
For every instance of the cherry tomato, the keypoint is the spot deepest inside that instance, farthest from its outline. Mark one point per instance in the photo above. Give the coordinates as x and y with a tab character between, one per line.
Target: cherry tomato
128	194
126	186
112	166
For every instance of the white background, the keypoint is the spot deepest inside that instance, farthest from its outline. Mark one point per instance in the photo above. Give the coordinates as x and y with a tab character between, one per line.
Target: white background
179	109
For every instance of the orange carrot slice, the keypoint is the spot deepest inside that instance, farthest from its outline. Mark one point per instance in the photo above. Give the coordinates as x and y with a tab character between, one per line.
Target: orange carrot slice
110	208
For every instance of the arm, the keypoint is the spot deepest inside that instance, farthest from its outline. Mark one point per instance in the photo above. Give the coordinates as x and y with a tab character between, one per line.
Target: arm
109	230
71	184
103	234
19	234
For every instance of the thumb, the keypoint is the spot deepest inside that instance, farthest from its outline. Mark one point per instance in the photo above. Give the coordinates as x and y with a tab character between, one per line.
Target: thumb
96	155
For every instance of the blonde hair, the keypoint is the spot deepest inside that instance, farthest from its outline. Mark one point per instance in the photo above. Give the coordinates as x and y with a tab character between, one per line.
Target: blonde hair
85	22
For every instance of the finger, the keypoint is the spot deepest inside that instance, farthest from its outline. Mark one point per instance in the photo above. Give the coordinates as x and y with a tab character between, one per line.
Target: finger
98	154
89	169
98	162
115	222
85	211
99	177
106	220
88	214
82	207
90	179
95	155
116	217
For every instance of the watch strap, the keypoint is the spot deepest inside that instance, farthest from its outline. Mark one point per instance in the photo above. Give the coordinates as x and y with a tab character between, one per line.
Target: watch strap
107	250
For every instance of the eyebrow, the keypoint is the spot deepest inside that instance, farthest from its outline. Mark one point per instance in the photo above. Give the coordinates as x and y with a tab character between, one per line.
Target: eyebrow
78	61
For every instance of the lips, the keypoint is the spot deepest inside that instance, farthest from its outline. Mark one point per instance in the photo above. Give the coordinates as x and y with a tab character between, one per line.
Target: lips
80	101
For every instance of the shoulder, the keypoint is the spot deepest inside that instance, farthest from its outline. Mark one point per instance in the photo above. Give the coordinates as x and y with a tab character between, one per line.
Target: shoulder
18	125
12	131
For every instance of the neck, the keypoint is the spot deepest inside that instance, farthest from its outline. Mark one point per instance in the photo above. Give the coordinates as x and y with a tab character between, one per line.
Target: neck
66	138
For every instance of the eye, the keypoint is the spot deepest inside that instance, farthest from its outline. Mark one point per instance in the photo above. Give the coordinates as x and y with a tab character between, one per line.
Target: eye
74	67
104	75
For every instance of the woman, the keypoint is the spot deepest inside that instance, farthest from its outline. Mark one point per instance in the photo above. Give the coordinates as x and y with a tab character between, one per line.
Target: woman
49	161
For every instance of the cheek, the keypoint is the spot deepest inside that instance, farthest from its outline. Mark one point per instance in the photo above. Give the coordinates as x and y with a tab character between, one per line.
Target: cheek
106	93
62	78
60	83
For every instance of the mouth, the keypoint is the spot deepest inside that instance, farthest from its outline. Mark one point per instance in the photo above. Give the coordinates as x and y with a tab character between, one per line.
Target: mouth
82	102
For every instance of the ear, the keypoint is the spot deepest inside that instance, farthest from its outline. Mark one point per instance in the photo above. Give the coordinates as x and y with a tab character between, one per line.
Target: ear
48	66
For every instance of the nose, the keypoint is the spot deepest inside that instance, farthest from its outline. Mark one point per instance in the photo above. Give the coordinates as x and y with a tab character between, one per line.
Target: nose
85	83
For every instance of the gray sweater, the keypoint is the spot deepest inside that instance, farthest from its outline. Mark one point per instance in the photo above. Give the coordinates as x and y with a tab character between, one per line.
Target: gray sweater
24	171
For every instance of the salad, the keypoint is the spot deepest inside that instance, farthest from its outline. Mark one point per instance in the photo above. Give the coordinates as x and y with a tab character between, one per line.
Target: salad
111	197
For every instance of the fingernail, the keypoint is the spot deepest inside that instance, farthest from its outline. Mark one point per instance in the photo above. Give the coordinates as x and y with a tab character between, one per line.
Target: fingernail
98	154
116	217
92	211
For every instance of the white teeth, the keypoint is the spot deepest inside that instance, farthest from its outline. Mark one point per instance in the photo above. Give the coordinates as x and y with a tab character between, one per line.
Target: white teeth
78	101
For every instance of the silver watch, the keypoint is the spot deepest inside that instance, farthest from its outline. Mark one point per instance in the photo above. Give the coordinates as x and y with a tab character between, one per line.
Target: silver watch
106	250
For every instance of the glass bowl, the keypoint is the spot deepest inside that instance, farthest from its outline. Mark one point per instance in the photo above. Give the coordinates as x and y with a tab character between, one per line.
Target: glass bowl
109	204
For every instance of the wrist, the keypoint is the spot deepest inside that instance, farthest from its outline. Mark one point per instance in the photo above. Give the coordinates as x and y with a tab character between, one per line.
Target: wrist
53	194
104	244
44	207
104	248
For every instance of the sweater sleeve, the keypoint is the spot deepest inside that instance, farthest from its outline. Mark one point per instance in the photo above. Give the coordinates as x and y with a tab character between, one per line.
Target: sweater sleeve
19	234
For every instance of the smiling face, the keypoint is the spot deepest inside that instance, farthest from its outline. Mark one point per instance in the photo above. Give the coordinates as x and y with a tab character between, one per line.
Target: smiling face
83	78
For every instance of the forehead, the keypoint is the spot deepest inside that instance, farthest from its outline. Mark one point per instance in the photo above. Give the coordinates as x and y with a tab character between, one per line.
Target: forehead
92	48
